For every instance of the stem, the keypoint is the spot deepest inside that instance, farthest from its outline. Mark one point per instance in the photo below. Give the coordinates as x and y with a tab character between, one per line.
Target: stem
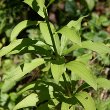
50	31
66	85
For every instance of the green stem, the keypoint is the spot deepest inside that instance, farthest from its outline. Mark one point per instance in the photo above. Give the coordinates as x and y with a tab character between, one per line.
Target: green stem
66	85
50	31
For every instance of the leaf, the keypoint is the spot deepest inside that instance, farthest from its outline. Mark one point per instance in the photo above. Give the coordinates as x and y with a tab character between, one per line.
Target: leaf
19	27
57	43
29	86
16	74
85	58
65	106
90	4
29	101
26	45
99	47
36	5
50	2
11	46
45	32
72	48
63	44
31	46
83	72
57	69
103	83
75	24
71	34
86	100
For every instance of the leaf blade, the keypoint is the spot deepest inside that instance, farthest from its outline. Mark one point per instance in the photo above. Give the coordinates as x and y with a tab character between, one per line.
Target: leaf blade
103	83
36	5
84	72
30	100
71	34
86	100
21	26
18	73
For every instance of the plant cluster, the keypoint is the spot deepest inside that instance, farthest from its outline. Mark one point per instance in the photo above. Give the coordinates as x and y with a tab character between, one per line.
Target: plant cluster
56	77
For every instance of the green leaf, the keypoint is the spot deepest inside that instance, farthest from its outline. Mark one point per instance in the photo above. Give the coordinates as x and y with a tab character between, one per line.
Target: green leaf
75	24
45	32
19	27
57	43
31	46
27	87
11	46
86	100
29	101
72	48
65	106
50	2
63	44
103	83
36	5
90	4
26	45
57	69
16	74
85	58
99	47
83	72
71	34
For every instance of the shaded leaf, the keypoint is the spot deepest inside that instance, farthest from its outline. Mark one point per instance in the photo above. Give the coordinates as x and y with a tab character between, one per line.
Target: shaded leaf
83	72
36	5
19	27
29	101
86	100
90	4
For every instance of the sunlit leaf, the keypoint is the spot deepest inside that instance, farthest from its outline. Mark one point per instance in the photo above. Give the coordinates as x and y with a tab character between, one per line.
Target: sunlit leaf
29	101
45	32
103	83
63	44
75	24
85	58
99	47
65	106
11	46
29	86
19	27
36	5
83	72
57	69
86	100
18	73
71	34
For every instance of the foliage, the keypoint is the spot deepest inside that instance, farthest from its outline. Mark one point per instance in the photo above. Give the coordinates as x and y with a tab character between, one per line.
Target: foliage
57	88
